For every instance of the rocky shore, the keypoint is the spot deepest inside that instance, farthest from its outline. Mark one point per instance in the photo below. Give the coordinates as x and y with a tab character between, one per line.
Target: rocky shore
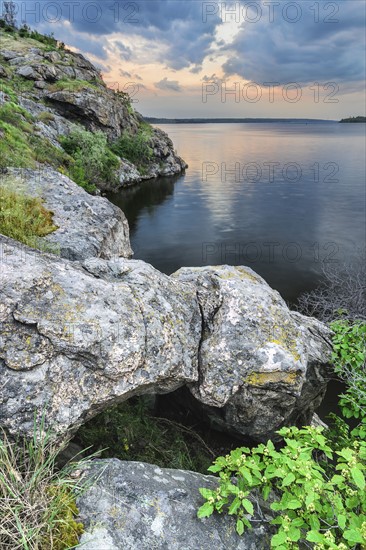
84	327
60	90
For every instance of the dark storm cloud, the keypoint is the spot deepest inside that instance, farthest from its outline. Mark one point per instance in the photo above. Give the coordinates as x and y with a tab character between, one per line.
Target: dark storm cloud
177	24
324	45
304	51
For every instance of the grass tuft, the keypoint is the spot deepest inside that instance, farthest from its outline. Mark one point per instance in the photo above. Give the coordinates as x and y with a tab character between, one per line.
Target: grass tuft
23	218
37	502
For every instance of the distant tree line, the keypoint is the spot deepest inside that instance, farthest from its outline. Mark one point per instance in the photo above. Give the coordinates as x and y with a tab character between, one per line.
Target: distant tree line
354	119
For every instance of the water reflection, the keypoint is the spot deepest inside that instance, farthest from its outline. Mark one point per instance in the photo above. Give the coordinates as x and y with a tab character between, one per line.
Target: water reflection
147	195
282	226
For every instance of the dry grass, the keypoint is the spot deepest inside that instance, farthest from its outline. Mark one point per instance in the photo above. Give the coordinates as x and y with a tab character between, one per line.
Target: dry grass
18	44
37	502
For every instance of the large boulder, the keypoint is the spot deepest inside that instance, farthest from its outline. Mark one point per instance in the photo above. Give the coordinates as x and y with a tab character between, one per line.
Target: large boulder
88	226
261	365
79	337
132	505
75	339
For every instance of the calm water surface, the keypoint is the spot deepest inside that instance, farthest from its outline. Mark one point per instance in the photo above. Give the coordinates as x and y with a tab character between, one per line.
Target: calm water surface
279	198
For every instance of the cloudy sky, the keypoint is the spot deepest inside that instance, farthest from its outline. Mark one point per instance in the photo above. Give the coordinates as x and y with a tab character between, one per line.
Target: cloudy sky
193	58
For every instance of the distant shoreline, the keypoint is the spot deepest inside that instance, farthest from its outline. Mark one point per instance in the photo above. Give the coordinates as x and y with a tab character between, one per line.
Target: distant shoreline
153	120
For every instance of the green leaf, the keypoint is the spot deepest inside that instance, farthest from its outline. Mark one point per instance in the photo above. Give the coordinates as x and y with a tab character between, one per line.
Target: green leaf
352	535
294	534
358	478
266	491
290	478
248	506
239	527
314	536
206	493
278	539
298	522
337	479
205	510
293	504
342	520
246	474
214	468
235	505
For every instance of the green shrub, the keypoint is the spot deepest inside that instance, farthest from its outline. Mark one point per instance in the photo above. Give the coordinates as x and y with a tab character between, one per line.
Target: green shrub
72	85
23	218
93	161
20	147
48	40
15	149
349	359
135	148
319	503
37	502
315	481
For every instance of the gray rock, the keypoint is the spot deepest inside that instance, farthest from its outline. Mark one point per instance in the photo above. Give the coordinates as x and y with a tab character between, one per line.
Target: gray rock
133	505
80	338
87	226
77	339
261	365
128	174
99	109
40	84
3	73
54	57
24	60
9	54
28	72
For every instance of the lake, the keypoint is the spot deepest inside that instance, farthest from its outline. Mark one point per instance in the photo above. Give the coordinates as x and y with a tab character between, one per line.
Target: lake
280	198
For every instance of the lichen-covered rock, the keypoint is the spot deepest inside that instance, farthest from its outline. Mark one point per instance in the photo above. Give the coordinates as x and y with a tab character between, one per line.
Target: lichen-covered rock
132	505
87	226
76	339
81	337
261	365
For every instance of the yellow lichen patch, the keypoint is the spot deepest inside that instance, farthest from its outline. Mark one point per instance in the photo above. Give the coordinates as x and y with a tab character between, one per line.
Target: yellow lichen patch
284	334
288	345
247	275
263	378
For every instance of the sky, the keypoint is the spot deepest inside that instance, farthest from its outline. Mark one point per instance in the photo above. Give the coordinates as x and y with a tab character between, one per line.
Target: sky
194	58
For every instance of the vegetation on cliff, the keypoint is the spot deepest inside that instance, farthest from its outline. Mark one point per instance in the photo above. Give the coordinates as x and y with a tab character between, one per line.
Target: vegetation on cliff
23	218
48	93
92	159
